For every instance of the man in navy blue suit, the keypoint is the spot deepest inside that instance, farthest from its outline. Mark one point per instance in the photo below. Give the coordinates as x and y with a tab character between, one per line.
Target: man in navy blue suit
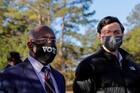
28	77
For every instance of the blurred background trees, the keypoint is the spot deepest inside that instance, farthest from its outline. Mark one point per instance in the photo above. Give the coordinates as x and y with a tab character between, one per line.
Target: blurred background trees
73	23
132	37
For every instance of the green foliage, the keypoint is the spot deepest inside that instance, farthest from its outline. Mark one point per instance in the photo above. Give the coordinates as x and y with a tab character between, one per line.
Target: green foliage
132	43
12	43
61	12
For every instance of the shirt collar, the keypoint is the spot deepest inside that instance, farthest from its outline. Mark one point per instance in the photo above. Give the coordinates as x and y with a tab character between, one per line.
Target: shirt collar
119	54
120	57
36	64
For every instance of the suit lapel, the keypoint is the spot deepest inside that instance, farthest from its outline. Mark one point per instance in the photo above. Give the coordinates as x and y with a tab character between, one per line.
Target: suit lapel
58	79
33	78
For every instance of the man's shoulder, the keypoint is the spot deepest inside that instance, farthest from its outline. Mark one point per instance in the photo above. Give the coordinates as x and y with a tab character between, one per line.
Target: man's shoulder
123	51
16	68
93	57
57	74
129	59
89	62
56	71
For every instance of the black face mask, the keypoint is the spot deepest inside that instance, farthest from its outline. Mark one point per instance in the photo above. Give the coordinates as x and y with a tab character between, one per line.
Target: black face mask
112	43
45	53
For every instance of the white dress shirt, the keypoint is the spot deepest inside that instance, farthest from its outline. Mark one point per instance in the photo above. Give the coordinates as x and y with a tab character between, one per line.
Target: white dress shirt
37	67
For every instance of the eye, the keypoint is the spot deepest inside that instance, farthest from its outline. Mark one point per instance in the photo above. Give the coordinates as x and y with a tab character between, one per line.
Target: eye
44	40
106	32
117	32
53	40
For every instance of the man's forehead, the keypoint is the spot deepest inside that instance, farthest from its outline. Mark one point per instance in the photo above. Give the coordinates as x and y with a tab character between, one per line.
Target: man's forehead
42	32
42	28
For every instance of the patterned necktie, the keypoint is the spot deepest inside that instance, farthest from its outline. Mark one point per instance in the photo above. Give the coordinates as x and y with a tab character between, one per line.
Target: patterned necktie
48	82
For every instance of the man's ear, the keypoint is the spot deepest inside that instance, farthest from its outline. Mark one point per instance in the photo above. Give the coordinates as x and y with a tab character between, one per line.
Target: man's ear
31	48
30	45
98	35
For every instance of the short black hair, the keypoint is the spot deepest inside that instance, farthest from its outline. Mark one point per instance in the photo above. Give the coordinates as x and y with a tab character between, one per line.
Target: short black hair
14	55
108	20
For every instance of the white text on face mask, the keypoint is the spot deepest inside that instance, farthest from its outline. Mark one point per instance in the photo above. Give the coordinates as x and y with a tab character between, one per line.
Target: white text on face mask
49	49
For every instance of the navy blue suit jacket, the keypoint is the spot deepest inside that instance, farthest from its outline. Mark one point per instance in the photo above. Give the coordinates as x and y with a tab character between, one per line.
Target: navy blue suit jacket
23	79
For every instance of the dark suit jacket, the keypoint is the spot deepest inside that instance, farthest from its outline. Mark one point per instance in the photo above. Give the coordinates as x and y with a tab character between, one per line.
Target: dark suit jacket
23	79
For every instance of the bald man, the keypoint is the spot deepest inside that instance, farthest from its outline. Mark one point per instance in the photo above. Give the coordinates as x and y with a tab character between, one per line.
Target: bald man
29	77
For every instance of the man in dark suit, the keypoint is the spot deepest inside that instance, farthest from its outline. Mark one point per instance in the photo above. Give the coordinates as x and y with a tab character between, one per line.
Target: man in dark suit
28	76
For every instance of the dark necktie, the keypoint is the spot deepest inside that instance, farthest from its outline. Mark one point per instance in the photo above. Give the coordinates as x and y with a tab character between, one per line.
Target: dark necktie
48	82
